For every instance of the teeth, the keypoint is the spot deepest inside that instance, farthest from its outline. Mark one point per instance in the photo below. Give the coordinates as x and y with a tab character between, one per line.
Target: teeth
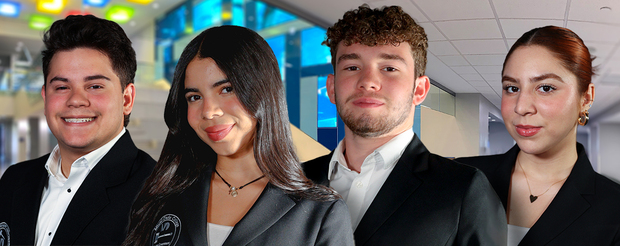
78	120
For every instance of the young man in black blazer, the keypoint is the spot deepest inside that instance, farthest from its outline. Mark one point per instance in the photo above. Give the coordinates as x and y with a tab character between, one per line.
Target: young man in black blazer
82	192
397	192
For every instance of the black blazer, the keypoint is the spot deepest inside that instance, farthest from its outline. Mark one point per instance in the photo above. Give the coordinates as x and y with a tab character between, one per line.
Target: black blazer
276	218
427	200
586	210
98	214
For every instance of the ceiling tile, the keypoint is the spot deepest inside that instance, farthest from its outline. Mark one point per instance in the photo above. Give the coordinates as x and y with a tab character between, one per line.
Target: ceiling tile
441	10
492	78
453	60
481	47
485	60
470	29
464	70
431	32
590	11
600	49
595	32
473	76
535	9
489	69
411	9
515	28
484	89
440	48
478	83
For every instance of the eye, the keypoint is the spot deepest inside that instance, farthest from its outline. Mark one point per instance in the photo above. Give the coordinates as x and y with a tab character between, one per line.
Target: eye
546	88
390	69
511	89
193	98
351	68
59	88
227	89
95	87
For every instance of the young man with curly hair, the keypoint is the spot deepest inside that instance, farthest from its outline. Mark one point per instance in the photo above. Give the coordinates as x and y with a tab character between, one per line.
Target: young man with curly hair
397	192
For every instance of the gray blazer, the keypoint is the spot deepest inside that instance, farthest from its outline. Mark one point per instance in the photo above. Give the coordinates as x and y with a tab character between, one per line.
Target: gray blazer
276	218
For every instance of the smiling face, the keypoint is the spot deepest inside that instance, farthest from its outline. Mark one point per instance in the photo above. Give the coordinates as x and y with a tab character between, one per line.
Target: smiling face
84	101
540	101
214	111
373	88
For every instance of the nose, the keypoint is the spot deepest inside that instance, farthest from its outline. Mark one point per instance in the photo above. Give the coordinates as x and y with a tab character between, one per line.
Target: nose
369	80
211	110
78	98
525	103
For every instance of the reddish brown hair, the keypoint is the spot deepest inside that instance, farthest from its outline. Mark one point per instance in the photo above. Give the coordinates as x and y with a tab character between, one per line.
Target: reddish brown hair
566	46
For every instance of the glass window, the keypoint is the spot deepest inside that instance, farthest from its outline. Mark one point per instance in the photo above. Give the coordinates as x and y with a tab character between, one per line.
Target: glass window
312	52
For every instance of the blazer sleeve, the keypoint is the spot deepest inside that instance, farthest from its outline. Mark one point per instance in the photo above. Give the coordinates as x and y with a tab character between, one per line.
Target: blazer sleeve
483	219
336	227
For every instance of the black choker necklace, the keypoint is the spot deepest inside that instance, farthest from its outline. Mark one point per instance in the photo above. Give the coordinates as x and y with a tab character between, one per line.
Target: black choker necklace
233	190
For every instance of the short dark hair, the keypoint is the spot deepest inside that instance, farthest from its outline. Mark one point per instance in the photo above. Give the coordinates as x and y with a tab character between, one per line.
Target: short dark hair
386	25
87	31
566	46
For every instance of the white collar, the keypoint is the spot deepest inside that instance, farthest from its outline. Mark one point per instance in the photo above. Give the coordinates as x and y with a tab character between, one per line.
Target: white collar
390	152
89	160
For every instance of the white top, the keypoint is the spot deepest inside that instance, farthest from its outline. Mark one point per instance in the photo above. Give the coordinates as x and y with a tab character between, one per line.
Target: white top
60	190
516	234
360	189
217	234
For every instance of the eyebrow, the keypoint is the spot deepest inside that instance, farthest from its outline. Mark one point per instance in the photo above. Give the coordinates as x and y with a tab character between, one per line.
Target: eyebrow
87	78
535	79
385	56
215	85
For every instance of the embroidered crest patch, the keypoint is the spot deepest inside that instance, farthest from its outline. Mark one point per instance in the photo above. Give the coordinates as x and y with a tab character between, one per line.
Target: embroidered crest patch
5	235
166	231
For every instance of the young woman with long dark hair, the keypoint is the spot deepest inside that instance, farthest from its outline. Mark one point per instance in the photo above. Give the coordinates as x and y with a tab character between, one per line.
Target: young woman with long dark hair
228	173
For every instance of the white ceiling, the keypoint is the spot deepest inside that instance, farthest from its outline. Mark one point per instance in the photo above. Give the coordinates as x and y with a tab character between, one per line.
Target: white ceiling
468	39
14	30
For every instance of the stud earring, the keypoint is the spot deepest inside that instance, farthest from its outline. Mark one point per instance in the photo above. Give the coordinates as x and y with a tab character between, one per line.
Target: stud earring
583	118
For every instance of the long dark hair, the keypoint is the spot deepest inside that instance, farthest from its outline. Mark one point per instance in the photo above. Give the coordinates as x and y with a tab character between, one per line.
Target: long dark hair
566	46
252	69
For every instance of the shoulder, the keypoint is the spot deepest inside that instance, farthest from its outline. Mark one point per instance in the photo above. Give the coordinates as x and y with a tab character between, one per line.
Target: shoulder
484	162
26	168
316	163
316	169
607	189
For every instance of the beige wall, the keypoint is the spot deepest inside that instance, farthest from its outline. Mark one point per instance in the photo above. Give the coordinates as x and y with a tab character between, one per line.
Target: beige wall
443	135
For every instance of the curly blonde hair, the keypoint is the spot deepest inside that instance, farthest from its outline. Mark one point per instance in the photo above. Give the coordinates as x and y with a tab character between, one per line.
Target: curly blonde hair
386	25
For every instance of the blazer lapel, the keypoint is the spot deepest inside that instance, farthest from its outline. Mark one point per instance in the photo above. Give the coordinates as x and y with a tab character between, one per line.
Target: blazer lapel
25	208
400	185
92	195
503	174
568	205
195	210
272	204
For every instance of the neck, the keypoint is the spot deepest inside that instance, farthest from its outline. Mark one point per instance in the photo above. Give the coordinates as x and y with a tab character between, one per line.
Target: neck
357	148
240	168
548	166
68	157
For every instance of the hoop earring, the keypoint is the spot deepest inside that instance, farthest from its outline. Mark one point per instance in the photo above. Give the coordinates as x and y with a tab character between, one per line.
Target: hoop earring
583	118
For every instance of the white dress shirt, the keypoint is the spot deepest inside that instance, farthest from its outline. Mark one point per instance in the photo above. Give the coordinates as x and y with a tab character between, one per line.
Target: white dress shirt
360	189
516	234
60	190
217	234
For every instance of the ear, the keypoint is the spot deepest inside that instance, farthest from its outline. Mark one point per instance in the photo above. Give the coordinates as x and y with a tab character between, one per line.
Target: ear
129	95
43	96
329	84
588	98
422	86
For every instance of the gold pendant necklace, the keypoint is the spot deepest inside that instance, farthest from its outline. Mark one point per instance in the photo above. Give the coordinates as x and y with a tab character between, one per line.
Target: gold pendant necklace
233	190
533	197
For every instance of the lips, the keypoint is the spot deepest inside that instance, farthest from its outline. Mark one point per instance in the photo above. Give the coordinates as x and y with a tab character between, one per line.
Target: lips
218	132
367	103
527	130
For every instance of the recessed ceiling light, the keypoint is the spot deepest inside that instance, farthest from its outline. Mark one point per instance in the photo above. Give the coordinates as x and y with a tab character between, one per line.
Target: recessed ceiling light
51	6
155	5
96	3
119	14
9	9
40	22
